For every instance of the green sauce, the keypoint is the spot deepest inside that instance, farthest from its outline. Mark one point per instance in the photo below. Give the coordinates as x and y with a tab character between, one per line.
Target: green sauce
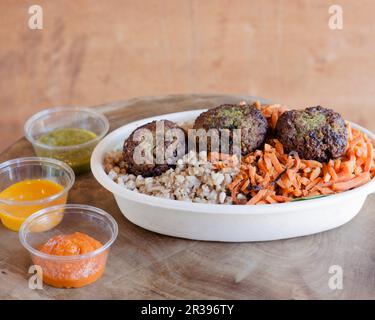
77	158
67	137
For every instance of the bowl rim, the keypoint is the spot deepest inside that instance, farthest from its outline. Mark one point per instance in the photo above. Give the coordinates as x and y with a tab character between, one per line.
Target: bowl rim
41	161
87	208
121	192
43	113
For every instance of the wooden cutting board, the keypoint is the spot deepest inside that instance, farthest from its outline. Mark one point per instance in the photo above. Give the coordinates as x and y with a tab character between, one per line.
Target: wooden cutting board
146	265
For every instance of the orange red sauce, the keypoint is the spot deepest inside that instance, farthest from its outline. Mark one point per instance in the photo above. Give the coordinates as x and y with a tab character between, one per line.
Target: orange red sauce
71	273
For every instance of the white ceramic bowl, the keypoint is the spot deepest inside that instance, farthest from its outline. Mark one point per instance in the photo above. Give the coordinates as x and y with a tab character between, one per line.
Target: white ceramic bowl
215	222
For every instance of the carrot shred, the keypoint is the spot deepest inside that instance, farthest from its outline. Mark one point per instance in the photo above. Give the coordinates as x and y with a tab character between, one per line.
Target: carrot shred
269	199
313	163
281	198
313	183
332	173
369	157
327	177
353	183
315	173
259	196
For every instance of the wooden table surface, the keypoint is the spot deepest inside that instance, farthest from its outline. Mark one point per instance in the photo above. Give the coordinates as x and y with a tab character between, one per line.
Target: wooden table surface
146	265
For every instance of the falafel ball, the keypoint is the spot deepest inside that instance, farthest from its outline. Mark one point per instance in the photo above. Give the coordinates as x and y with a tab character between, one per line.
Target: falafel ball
315	133
247	118
156	163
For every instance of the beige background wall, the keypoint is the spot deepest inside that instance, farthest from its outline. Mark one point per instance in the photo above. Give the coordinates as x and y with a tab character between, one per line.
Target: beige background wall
92	51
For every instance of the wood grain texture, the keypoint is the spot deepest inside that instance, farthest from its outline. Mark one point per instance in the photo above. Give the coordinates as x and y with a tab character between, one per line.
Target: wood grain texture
92	52
146	265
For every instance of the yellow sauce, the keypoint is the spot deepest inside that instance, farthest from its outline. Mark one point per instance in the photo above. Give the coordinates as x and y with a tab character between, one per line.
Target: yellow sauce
12	215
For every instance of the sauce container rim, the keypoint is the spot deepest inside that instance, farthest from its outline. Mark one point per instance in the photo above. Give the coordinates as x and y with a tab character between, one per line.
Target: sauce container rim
40	161
41	114
87	208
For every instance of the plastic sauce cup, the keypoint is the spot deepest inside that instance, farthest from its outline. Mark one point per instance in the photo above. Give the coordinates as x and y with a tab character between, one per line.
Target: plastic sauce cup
13	213
71	271
77	156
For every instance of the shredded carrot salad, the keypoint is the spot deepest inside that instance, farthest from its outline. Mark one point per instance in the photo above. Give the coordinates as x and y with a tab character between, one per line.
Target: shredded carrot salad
272	176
